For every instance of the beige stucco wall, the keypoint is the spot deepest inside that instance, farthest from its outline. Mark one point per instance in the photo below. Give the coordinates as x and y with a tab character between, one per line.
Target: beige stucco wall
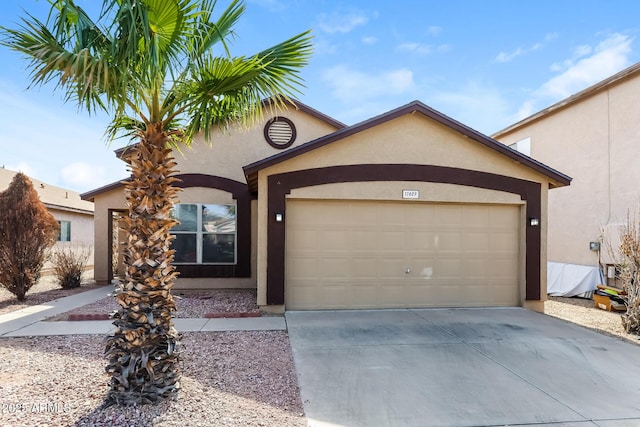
224	155
81	225
410	139
230	150
595	141
82	235
113	199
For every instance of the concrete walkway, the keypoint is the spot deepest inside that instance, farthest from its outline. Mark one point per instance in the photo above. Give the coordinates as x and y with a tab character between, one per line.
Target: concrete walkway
30	321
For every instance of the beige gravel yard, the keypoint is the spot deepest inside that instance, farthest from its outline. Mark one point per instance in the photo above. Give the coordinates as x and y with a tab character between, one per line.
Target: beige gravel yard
229	378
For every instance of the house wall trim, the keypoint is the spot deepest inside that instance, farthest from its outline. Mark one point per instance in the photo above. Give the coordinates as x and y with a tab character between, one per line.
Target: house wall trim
240	192
279	185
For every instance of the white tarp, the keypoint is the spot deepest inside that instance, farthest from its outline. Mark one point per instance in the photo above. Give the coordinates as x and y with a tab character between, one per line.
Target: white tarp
568	280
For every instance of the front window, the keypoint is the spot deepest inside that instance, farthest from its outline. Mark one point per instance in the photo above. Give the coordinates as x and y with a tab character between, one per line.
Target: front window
64	234
206	234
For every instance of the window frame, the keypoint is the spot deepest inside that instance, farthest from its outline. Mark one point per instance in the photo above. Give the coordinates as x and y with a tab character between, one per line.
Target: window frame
67	233
200	233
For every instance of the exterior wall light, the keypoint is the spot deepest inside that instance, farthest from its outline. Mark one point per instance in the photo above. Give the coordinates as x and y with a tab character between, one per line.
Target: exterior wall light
594	246
534	222
279	216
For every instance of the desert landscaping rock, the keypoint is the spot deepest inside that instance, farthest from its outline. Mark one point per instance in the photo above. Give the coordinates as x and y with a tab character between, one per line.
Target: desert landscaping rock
190	304
229	379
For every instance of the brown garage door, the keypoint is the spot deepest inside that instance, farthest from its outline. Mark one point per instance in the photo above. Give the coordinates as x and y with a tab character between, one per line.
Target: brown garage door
371	254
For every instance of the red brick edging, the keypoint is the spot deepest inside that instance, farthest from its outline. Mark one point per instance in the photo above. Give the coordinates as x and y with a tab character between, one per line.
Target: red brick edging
94	316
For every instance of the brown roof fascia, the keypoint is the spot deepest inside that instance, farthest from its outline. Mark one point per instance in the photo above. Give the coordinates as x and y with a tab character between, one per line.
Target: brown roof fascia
251	170
91	195
591	90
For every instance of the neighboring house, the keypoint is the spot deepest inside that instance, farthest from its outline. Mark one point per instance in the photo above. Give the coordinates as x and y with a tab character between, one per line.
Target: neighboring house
407	209
594	137
74	215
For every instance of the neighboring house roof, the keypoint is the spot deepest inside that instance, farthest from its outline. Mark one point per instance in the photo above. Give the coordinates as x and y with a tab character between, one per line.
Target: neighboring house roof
268	102
53	197
251	171
591	90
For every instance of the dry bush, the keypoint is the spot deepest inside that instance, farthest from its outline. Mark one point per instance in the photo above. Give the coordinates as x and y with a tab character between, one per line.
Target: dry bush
630	273
69	263
27	229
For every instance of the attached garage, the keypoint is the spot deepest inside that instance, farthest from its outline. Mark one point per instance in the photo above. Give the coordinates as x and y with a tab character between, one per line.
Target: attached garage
380	254
408	209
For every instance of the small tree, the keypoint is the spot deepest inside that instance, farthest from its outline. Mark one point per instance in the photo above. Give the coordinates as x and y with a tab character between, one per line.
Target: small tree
630	273
27	230
69	263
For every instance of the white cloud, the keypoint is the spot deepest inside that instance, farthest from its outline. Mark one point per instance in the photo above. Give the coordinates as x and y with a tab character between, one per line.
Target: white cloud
353	86
41	137
586	66
83	175
507	57
578	52
434	30
23	167
609	57
519	51
341	22
418	48
370	40
476	105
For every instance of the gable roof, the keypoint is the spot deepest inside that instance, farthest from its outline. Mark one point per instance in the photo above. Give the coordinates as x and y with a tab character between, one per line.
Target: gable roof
51	196
268	102
251	171
90	195
591	90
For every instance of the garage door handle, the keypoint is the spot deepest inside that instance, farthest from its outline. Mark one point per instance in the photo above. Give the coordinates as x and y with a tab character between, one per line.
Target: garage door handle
407	271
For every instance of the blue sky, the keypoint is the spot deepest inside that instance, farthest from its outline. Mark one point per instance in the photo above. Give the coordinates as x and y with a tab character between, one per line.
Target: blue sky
486	63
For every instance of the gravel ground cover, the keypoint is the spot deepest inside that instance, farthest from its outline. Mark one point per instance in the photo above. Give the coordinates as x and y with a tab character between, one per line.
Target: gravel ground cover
45	290
189	303
229	379
583	312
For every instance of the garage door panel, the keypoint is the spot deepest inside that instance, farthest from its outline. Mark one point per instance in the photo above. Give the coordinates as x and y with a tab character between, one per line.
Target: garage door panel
448	215
449	241
364	268
304	239
357	257
477	268
302	268
475	241
392	240
420	240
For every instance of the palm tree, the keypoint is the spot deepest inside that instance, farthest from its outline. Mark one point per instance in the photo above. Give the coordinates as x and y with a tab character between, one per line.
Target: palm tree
152	65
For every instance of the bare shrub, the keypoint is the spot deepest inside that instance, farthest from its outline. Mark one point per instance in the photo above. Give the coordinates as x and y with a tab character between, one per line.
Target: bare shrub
69	263
27	229
630	273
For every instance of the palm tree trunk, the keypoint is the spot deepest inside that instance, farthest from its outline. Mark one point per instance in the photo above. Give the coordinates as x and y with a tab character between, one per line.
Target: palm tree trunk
142	352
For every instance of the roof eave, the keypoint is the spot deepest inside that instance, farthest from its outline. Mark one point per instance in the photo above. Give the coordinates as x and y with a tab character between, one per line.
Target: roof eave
591	90
251	170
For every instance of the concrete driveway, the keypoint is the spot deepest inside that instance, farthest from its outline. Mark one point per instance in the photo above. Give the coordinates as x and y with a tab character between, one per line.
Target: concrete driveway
461	367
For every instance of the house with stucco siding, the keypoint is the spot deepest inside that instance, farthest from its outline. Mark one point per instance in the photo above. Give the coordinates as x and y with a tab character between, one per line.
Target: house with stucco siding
74	215
594	137
407	209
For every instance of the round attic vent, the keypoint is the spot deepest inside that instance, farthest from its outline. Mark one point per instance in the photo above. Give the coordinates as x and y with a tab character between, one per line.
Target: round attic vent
280	132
